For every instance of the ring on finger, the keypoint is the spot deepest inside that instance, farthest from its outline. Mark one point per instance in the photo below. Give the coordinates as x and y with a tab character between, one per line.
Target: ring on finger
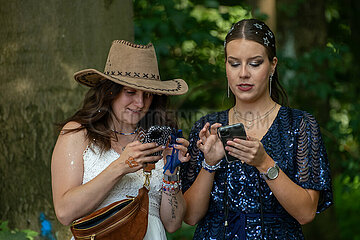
131	162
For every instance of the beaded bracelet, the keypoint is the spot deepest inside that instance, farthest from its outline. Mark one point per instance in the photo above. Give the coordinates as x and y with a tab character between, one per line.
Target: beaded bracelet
210	168
171	185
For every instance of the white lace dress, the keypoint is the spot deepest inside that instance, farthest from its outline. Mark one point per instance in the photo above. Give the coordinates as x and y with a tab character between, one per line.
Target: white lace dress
94	164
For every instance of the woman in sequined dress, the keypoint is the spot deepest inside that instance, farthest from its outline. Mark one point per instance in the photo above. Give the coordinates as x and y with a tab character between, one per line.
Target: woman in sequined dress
282	176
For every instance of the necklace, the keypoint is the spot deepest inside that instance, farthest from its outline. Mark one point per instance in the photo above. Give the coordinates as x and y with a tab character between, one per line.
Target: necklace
122	148
249	122
125	134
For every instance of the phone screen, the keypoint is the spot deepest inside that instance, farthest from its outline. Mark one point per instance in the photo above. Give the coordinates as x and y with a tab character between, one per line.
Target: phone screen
230	132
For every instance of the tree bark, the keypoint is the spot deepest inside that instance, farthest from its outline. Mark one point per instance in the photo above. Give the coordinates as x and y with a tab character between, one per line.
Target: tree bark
42	43
267	7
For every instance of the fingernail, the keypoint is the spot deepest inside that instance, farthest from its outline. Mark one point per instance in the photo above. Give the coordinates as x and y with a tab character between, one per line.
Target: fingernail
163	147
178	139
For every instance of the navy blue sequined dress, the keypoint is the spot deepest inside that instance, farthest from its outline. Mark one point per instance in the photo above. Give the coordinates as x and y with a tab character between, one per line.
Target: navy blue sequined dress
294	142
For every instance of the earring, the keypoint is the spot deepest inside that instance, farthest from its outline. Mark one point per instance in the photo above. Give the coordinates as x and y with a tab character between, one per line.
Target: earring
228	90
270	78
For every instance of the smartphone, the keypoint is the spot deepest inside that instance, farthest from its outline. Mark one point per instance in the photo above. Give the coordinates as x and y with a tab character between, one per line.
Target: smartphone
230	132
158	134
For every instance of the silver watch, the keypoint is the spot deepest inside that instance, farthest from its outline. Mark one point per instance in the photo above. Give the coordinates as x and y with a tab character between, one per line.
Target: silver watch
272	173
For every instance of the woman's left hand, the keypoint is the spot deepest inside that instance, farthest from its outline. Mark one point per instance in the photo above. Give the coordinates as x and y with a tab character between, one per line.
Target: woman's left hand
250	151
182	146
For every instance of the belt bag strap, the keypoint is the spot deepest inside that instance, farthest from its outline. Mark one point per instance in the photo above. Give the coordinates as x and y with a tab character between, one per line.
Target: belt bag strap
147	173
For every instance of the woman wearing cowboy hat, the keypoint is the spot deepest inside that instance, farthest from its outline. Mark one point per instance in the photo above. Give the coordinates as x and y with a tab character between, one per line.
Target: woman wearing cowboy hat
98	154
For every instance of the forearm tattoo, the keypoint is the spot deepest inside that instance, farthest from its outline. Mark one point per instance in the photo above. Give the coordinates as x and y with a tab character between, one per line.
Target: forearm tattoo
173	201
174	205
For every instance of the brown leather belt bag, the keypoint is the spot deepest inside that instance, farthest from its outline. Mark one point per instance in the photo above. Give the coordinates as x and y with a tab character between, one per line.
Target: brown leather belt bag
125	219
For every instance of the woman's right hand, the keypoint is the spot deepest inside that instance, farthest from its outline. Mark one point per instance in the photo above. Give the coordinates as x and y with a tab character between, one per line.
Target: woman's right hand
137	155
210	144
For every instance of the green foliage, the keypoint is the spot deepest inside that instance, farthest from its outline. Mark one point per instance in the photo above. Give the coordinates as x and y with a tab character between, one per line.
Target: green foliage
318	81
186	232
188	39
15	234
324	81
347	205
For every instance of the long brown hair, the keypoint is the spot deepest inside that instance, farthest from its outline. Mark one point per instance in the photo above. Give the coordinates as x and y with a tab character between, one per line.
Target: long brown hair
96	114
258	31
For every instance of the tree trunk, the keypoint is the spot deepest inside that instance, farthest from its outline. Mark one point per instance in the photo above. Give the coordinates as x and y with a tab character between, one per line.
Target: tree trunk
42	43
267	7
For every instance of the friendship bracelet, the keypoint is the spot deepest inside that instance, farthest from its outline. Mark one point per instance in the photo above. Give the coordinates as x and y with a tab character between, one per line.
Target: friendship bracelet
210	168
171	185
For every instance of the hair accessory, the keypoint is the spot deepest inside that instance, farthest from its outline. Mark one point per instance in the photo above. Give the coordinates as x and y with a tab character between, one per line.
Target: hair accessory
131	162
257	25
230	32
231	29
266	41
135	66
270	34
210	168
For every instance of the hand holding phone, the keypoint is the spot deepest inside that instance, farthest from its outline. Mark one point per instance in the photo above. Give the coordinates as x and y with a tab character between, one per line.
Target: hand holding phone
228	133
158	134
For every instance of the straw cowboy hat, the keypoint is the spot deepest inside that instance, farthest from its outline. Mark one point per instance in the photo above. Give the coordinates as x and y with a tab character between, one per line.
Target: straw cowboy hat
134	66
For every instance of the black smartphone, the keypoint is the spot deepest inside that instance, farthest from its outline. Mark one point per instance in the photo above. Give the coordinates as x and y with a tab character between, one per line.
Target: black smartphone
158	134
230	132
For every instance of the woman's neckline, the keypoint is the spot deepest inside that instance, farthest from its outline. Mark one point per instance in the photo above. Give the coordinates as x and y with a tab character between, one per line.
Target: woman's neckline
271	125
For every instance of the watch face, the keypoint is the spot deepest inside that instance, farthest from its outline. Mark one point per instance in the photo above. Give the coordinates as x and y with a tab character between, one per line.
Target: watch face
273	173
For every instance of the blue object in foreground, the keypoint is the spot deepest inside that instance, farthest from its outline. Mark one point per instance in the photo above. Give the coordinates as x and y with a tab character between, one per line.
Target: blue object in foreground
172	161
46	228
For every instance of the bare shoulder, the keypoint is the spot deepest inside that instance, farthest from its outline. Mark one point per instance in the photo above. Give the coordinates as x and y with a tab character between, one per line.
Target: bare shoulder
72	138
71	126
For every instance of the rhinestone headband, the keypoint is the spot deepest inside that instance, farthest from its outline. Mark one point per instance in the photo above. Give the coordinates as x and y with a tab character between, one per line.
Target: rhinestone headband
268	38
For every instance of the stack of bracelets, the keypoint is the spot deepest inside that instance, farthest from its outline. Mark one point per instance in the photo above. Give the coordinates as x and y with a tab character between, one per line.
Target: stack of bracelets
210	168
171	183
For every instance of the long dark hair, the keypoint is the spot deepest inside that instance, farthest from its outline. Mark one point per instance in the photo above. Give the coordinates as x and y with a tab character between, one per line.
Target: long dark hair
96	114
258	31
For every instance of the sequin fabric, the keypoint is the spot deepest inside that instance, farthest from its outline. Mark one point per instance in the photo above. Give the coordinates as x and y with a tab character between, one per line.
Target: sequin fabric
294	141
